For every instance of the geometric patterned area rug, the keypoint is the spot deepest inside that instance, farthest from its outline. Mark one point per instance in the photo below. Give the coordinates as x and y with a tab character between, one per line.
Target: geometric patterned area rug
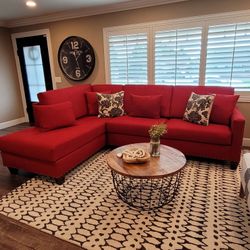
207	212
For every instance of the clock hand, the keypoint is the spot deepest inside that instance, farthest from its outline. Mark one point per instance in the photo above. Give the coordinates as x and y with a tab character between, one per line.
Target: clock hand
76	58
78	54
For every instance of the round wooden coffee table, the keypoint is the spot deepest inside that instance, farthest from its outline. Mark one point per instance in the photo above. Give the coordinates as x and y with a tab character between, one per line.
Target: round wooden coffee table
147	185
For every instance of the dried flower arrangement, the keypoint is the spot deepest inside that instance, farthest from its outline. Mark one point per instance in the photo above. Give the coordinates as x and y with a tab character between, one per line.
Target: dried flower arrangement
157	130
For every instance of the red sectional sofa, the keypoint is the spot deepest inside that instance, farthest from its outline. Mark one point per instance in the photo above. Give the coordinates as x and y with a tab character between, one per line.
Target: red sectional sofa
54	152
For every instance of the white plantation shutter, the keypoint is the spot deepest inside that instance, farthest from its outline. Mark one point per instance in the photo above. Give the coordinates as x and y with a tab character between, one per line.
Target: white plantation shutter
128	58
228	56
210	50
177	56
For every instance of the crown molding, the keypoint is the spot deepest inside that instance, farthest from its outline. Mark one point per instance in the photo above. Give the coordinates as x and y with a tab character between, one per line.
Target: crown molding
59	16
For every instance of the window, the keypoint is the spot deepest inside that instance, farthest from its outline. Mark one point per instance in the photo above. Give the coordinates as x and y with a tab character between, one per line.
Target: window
177	56
228	56
128	58
211	50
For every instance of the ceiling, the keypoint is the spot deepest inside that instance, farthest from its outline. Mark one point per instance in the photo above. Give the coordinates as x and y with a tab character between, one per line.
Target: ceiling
16	13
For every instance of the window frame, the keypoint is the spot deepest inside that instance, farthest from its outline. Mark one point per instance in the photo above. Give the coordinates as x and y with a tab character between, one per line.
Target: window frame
175	27
118	31
150	28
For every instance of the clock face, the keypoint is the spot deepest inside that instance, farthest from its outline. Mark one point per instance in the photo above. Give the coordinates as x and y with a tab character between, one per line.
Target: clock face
76	58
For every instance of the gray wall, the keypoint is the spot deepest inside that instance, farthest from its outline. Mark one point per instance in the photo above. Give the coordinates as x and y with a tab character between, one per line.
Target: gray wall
10	96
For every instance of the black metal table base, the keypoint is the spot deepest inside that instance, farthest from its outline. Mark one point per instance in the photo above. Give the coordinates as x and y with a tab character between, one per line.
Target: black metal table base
146	193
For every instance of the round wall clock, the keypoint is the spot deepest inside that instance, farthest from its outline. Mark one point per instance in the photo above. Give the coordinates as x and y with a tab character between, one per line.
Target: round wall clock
76	58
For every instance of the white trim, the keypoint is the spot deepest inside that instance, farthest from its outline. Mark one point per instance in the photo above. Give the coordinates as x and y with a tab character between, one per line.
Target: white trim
188	22
20	79
246	142
151	56
106	57
121	7
51	61
12	123
244	98
91	11
203	58
124	30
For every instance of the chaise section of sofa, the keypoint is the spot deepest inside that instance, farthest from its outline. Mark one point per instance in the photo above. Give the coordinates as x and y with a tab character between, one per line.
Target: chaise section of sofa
54	152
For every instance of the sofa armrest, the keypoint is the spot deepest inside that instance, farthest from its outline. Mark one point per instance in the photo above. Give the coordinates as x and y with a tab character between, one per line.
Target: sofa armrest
237	120
237	127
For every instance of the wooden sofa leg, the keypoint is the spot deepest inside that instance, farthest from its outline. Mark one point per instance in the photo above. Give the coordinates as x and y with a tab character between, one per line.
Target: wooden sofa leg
234	165
60	180
13	171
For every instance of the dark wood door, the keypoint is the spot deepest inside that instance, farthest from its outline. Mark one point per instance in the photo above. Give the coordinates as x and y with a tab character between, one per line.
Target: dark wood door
35	68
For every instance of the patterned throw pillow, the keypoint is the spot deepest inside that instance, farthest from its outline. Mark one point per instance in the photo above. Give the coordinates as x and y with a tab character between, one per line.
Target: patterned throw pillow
199	108
110	105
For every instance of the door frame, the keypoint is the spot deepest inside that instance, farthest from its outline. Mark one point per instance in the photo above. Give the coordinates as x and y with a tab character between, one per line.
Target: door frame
45	32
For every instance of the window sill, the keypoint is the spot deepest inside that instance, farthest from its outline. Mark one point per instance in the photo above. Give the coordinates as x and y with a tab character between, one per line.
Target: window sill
244	98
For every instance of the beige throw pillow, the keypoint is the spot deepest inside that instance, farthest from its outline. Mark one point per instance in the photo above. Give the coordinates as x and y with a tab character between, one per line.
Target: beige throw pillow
199	108
110	105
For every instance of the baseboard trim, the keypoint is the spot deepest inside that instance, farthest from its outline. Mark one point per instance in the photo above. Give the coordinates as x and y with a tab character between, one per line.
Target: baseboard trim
246	142
12	123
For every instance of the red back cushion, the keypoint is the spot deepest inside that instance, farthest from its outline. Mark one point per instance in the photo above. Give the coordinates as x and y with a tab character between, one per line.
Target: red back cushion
92	102
223	108
102	88
54	116
145	106
73	94
181	95
149	90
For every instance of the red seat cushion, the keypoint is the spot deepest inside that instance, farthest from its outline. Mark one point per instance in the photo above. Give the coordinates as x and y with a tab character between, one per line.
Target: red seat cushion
73	94
92	102
182	93
145	106
54	144
223	108
131	125
186	131
148	90
54	116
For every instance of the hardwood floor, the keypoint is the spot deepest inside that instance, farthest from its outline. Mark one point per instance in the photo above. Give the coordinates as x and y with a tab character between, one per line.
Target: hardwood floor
16	235
14	128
